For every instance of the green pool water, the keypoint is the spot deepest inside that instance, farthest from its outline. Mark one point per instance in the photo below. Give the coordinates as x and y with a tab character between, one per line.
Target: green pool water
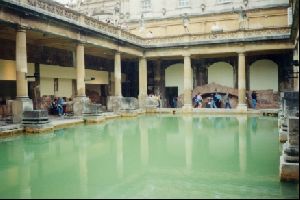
156	156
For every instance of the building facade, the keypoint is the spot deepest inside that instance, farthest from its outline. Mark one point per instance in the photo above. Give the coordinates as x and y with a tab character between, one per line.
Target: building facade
246	49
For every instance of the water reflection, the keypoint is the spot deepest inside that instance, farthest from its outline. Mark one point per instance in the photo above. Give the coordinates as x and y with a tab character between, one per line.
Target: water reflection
243	143
144	142
154	156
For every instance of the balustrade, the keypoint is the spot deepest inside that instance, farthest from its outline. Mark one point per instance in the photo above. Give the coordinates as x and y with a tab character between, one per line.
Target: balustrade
69	15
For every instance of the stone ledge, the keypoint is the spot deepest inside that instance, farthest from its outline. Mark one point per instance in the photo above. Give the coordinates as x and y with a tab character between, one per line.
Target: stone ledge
33	130
38	128
11	133
94	120
67	124
288	171
129	114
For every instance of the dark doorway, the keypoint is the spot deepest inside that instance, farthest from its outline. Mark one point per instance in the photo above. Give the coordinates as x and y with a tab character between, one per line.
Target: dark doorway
8	91
171	92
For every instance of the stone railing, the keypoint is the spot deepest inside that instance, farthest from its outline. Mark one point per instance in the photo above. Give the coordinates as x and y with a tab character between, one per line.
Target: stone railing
65	14
238	35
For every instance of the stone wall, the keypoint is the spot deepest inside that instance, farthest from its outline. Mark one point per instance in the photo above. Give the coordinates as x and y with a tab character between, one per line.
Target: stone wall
266	99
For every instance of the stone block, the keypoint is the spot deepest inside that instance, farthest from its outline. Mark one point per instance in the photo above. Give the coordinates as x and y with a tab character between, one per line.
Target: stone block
80	105
292	95
293	139
35	114
116	103
19	106
288	171
38	128
95	119
293	125
35	117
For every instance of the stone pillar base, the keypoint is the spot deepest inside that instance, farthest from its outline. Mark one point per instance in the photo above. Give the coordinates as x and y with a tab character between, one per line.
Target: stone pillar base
242	107
19	106
288	171
142	101
79	105
187	108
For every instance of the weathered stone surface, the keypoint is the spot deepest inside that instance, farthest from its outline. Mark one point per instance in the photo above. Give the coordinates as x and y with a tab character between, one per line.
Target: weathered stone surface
151	102
35	117
293	124
291	159
84	106
95	119
10	127
19	106
38	128
291	151
34	114
283	136
290	103
293	130
288	171
116	103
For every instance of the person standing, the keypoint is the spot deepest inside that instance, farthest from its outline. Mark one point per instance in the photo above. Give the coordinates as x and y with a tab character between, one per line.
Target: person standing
60	104
199	100
254	99
174	102
227	101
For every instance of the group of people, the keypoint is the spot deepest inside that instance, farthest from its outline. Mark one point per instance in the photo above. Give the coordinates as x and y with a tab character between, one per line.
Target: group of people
214	101
58	106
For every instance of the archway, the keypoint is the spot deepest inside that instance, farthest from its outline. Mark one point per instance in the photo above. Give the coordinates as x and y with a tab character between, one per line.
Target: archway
264	75
221	73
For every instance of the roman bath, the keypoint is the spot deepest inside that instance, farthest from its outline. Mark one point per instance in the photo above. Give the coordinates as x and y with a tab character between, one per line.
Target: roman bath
149	99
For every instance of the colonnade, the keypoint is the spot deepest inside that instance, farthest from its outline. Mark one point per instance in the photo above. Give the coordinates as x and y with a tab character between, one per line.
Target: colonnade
21	70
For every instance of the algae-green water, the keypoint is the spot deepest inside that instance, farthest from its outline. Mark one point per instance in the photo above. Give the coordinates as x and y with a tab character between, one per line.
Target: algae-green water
152	156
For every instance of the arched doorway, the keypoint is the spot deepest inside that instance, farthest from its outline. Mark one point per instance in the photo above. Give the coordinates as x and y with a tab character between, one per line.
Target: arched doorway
264	75
174	81
221	73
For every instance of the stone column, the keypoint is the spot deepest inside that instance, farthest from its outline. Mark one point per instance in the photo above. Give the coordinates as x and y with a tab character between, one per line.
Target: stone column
118	83
80	73
187	82
81	101
22	101
21	64
142	81
242	83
